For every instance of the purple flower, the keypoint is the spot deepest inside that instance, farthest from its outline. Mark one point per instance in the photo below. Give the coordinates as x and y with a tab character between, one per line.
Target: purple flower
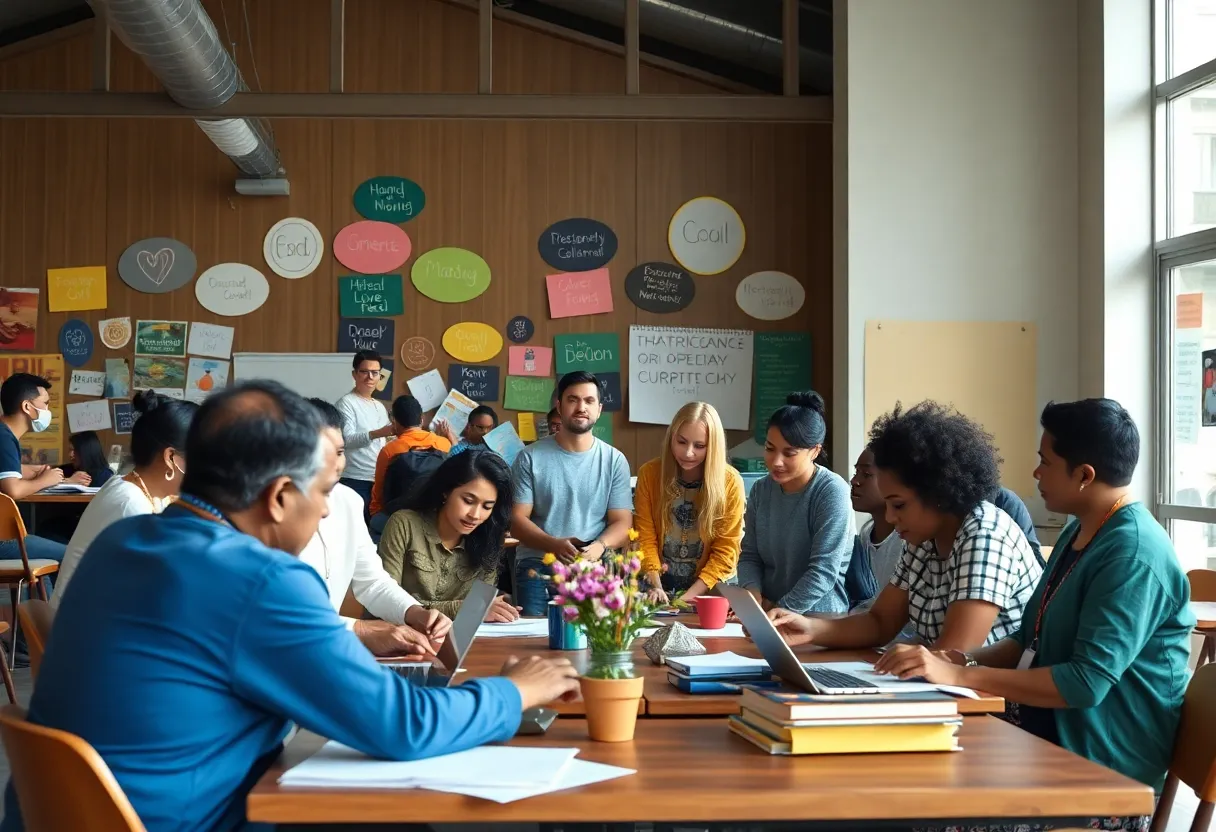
633	565
570	614
614	600
578	594
588	586
559	570
559	599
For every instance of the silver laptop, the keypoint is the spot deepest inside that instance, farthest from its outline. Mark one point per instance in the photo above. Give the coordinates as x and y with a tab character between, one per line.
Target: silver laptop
812	678
456	646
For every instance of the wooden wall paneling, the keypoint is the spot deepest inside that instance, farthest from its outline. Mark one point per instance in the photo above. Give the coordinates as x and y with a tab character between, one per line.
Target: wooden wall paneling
287	42
417	46
60	66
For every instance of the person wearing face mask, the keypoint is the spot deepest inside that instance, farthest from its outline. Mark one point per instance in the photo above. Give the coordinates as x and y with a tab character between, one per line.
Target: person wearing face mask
158	441
204	637
798	529
688	508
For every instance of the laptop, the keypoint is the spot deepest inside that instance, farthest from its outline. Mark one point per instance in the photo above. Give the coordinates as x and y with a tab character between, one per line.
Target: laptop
809	677
455	647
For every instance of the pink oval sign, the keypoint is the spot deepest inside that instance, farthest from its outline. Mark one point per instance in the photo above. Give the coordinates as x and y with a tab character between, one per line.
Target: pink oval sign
371	247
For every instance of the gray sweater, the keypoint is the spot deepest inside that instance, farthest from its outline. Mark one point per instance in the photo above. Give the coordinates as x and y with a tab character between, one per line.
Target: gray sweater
796	547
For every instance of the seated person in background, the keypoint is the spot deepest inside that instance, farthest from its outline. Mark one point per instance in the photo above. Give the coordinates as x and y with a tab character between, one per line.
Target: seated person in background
450	533
86	457
482	420
572	495
798	527
554	420
343	554
191	691
366	425
966	571
1012	504
407	414
1099	663
877	548
158	447
688	508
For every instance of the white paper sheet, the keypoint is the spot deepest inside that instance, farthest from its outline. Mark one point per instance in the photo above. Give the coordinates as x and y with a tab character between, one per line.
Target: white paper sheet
865	672
519	628
731	630
718	663
428	389
578	773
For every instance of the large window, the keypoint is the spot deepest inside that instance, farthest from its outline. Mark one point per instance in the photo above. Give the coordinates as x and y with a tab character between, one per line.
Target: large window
1185	186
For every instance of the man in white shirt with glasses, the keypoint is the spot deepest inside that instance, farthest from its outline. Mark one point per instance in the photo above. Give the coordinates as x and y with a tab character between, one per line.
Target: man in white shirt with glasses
366	426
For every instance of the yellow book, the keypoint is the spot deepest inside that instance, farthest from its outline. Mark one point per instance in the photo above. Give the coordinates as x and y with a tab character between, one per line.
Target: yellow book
851	739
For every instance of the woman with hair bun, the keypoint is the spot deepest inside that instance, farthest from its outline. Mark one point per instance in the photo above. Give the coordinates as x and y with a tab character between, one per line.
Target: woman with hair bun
158	447
798	527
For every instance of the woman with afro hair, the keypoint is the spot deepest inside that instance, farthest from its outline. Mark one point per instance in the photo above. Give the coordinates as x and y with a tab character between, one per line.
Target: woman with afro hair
966	570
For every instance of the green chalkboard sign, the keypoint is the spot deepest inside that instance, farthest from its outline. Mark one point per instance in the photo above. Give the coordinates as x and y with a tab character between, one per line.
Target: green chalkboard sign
370	296
389	199
782	366
595	352
602	429
450	275
528	393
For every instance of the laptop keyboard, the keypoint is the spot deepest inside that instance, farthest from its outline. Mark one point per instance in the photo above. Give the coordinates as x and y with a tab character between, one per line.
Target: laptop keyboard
826	678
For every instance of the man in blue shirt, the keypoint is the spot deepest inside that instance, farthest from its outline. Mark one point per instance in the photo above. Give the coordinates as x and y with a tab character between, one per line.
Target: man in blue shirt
189	640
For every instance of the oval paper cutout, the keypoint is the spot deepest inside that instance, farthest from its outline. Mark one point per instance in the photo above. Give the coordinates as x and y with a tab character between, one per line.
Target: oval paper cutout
770	296
417	352
370	247
660	287
157	265
450	275
293	248
472	342
706	235
76	342
389	199
115	332
577	244
520	329
231	289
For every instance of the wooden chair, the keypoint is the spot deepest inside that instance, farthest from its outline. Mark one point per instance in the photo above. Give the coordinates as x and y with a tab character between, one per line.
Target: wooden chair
36	617
49	764
1203	588
17	573
1194	760
4	671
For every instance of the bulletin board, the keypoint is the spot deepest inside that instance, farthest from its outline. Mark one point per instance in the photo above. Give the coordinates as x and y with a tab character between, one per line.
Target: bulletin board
314	375
986	369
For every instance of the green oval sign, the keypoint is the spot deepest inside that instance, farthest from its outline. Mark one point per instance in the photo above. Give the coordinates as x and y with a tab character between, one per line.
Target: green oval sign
450	275
389	199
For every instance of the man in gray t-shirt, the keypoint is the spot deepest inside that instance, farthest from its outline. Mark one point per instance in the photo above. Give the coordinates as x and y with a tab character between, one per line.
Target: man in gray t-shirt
572	495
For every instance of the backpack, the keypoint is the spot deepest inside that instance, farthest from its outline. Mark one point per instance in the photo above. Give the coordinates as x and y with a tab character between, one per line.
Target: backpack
409	469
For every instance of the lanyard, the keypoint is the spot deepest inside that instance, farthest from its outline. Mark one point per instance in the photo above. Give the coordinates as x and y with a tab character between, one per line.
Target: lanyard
1048	598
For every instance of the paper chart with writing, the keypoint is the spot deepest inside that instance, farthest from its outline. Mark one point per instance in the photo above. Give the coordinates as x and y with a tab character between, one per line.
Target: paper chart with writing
670	366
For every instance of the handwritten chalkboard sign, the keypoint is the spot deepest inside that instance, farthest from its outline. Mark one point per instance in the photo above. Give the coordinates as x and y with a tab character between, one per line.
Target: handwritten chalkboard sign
374	334
783	366
520	329
370	296
389	199
577	244
660	287
610	392
157	265
479	383
76	342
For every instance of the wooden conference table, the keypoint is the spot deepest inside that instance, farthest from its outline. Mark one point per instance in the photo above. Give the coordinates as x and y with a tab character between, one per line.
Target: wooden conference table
35	500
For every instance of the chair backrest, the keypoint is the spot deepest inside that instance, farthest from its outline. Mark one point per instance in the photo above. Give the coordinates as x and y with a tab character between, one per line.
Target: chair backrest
36	619
61	782
1194	761
1203	584
12	527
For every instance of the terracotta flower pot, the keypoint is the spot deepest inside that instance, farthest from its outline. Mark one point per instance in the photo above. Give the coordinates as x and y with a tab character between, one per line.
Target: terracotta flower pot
612	707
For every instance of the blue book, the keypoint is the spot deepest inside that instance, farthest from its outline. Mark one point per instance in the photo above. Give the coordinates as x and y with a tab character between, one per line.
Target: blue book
717	684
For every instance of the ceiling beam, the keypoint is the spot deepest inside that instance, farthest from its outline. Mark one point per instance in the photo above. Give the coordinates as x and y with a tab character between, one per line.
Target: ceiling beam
754	108
633	82
485	47
337	45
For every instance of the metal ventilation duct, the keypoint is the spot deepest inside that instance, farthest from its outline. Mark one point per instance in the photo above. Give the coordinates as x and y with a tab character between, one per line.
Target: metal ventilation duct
178	42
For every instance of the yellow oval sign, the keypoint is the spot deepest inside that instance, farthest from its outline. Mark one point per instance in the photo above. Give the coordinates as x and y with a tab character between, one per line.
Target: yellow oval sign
472	342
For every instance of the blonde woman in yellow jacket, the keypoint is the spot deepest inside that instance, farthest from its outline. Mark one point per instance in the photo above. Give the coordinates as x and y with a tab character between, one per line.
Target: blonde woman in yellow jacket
688	508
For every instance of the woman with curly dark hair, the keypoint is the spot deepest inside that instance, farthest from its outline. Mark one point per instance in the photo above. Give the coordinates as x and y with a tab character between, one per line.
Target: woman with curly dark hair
967	569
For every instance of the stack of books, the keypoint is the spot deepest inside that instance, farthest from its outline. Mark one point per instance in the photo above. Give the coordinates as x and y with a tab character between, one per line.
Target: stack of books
717	673
788	722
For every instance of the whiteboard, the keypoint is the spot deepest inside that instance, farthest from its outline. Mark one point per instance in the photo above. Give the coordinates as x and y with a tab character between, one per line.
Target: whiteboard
322	375
671	366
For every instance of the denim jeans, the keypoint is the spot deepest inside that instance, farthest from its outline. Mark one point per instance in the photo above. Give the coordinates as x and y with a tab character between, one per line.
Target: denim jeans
376	525
364	489
532	591
37	548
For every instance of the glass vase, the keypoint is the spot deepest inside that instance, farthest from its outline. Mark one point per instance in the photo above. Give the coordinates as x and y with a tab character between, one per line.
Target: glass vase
610	664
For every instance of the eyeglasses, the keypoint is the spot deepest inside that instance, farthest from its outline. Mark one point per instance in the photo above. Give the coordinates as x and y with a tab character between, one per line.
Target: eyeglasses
369	373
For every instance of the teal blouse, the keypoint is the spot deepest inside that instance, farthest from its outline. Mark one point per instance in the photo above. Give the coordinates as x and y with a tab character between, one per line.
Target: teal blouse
1116	637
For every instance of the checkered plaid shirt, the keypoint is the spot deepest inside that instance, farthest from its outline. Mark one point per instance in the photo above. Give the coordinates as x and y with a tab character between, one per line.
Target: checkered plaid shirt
991	561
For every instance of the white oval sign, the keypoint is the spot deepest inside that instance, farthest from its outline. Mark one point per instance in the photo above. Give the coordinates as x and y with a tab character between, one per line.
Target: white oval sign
706	235
770	296
293	248
231	289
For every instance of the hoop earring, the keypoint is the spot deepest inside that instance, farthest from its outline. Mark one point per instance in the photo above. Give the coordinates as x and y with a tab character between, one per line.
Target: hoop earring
170	474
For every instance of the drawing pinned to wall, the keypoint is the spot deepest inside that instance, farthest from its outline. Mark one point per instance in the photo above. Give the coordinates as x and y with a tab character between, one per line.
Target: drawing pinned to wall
472	342
115	332
76	289
505	442
479	383
293	248
213	340
389	199
118	379
579	293
520	329
455	411
371	247
93	415
169	392
87	383
527	426
384	388
610	391
770	296
124	418
669	366
160	338
231	289
375	334
528	393
18	319
450	275
530	361
577	244
660	287
371	296
205	376
160	373
45	448
417	353
428	389
157	265
595	352
706	235
76	342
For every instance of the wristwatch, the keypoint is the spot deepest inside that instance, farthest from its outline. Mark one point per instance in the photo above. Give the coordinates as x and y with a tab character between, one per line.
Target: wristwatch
969	660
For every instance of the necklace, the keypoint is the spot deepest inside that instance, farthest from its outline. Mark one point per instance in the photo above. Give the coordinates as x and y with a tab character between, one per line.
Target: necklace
142	487
685	515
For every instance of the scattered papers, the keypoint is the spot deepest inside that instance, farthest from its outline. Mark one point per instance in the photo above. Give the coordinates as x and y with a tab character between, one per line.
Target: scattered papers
428	389
87	383
519	628
505	442
578	773
211	340
527	426
729	631
71	488
890	684
713	663
455	409
94	415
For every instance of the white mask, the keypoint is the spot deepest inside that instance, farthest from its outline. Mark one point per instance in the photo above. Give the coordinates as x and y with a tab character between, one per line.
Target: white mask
42	422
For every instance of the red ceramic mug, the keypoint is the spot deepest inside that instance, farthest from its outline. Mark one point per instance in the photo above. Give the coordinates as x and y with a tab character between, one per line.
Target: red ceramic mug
712	610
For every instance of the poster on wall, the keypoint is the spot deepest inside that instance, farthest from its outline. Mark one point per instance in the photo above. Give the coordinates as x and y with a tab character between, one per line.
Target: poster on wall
118	379
115	332
417	352
160	374
392	199
18	319
428	389
770	296
293	248
595	352
660	287
76	290
706	235
160	338
450	275
87	383
375	334
124	417
577	244
88	416
76	342
782	366
530	361
371	296
231	289
41	448
472	342
520	329
477	382
157	265
205	376
669	366
371	247
579	293
213	340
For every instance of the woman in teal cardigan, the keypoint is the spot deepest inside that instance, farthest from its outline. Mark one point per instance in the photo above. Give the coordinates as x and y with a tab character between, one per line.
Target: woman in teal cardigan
1099	665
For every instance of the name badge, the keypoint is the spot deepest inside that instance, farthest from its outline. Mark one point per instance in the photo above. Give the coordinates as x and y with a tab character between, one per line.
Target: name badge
1026	660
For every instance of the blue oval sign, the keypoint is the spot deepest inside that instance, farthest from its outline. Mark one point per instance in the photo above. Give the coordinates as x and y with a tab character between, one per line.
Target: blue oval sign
389	199
76	342
577	244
